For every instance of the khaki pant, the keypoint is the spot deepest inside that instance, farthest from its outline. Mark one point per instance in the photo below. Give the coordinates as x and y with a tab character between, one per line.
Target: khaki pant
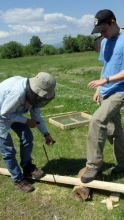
106	123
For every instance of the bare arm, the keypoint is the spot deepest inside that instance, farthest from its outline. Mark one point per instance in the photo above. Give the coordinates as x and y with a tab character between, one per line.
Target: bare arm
96	95
117	77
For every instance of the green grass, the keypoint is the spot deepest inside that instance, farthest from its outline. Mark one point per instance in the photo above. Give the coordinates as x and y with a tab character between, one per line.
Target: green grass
54	201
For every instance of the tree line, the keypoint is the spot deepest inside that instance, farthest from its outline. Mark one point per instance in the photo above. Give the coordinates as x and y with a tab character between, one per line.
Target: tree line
80	43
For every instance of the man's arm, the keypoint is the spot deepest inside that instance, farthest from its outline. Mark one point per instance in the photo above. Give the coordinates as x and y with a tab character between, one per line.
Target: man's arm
96	95
9	108
117	77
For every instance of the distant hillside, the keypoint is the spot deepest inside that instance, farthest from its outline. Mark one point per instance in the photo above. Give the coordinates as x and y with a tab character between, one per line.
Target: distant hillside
58	45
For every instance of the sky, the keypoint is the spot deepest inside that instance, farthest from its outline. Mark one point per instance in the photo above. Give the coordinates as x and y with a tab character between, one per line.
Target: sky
51	20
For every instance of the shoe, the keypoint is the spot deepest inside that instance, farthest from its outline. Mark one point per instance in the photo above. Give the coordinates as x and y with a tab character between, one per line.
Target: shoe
89	175
24	186
31	170
116	170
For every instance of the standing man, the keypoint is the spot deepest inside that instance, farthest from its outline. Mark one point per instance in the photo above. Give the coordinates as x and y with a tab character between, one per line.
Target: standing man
19	95
106	121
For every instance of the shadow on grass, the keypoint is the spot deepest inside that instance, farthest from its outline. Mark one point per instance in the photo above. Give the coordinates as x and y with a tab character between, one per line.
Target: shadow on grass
71	167
64	166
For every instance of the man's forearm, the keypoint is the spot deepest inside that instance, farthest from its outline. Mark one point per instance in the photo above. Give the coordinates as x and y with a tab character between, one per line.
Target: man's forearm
117	77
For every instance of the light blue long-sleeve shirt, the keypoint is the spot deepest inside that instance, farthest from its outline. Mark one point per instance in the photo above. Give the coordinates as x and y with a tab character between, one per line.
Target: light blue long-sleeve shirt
13	105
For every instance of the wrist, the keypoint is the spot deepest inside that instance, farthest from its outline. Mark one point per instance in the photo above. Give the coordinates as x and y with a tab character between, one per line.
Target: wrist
107	79
46	134
27	121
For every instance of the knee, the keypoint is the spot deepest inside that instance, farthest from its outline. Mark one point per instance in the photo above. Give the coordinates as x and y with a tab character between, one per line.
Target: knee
97	126
95	122
8	154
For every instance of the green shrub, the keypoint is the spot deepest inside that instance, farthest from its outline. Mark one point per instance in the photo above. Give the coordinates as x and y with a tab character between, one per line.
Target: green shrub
60	50
28	50
11	50
48	50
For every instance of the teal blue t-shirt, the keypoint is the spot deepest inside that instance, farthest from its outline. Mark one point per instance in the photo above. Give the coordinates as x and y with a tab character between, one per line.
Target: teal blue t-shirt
112	56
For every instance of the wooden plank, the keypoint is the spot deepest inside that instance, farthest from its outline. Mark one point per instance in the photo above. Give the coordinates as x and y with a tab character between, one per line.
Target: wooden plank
68	126
57	106
109	204
109	186
84	114
73	115
62	113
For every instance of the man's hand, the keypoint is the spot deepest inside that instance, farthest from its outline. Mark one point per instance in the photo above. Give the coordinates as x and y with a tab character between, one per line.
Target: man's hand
32	123
96	97
96	83
49	140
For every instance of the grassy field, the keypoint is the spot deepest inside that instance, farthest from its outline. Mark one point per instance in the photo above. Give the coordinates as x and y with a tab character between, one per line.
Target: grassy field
68	155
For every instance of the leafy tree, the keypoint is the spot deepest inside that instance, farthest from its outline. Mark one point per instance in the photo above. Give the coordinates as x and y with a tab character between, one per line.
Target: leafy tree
60	50
70	44
28	50
81	42
1	47
12	50
36	44
85	43
48	50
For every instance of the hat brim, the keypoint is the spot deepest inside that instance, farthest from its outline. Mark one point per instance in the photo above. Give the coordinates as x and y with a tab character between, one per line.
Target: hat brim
98	29
49	94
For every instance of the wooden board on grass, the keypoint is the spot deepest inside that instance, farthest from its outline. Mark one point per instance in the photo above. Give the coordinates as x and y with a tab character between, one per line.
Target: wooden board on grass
109	186
71	120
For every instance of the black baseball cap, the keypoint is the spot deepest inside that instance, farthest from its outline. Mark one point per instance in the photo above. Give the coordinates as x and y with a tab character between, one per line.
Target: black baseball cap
102	17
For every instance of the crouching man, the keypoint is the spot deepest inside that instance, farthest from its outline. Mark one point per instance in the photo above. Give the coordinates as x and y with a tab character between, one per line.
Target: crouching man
19	95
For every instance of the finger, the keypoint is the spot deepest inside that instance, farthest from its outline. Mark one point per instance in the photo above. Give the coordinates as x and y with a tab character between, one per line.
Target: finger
91	85
98	99
50	142
95	100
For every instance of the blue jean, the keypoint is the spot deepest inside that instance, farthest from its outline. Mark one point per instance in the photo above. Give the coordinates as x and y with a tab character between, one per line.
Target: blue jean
8	151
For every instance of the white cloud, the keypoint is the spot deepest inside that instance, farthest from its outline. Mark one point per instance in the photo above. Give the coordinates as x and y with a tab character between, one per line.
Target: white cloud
19	15
4	34
21	29
58	17
87	20
30	21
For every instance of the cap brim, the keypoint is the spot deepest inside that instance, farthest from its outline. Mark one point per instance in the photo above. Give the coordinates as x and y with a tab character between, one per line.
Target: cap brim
98	29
